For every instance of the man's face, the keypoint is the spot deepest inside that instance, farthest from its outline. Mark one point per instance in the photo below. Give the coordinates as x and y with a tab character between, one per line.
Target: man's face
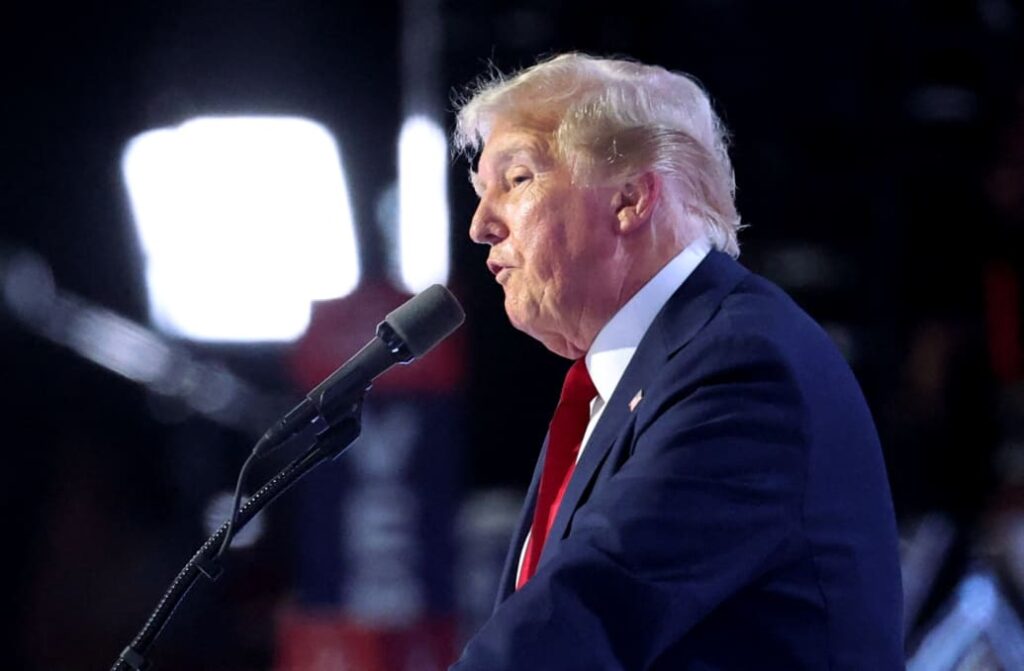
551	241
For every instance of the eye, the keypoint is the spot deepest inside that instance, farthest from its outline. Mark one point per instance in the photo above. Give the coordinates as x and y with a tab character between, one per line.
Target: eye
519	178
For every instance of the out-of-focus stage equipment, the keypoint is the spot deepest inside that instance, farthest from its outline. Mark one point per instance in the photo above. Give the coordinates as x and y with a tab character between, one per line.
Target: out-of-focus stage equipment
326	422
923	553
29	296
979	629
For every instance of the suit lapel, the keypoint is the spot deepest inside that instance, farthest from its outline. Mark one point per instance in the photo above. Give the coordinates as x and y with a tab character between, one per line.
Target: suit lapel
509	572
685	313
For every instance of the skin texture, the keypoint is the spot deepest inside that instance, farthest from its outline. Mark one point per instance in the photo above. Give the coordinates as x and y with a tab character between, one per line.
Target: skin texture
568	255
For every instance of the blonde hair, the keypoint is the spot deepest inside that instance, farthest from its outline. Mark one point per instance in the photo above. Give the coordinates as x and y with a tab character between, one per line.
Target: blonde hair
613	119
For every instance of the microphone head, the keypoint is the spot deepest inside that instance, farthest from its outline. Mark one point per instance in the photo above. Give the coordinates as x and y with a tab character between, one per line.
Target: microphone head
424	320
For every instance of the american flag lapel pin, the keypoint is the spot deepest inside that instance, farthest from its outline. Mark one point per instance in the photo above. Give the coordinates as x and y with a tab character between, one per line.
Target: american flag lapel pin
636	400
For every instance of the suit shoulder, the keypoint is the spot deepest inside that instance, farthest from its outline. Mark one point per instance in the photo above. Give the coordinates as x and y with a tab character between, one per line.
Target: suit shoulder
759	310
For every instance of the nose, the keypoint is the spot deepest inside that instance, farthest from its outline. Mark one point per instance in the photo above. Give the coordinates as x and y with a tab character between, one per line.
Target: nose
487	227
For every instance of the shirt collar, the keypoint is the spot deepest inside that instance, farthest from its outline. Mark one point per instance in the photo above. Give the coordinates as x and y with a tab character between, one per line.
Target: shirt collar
617	341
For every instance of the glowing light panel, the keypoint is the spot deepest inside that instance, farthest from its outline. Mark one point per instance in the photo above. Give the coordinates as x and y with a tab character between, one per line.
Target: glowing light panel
422	204
243	221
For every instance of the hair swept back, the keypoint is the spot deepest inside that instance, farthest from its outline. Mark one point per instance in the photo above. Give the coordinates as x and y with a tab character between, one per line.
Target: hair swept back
612	118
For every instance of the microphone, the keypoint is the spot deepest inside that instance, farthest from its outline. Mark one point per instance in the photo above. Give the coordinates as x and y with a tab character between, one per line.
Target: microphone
407	333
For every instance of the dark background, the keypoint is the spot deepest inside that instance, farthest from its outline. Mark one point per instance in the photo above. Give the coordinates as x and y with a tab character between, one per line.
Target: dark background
879	152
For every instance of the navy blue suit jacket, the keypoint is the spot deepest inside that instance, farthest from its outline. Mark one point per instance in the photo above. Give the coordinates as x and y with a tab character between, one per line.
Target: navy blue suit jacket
738	518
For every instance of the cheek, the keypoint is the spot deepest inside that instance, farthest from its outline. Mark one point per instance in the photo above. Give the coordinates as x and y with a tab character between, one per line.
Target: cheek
542	243
543	278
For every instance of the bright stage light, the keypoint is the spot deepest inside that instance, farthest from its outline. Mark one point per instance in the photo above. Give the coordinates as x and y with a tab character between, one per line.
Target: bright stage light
422	204
243	221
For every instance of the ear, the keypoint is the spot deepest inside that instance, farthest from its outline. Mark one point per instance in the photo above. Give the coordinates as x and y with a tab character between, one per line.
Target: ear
634	202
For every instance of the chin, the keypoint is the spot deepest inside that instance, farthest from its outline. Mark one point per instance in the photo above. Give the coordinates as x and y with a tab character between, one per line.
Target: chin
553	341
520	322
515	313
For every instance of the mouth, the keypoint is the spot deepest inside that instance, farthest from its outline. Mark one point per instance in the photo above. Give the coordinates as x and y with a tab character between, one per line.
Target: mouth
499	270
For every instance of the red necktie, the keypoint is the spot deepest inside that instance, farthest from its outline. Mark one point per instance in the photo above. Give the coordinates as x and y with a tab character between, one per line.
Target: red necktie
564	438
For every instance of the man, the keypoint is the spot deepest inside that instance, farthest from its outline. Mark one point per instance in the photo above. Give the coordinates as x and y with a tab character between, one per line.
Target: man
712	493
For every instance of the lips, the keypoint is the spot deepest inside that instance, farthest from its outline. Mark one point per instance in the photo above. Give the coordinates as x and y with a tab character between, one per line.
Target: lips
500	271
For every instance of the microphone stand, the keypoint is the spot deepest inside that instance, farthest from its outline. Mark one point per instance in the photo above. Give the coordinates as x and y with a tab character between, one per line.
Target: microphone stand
330	441
333	408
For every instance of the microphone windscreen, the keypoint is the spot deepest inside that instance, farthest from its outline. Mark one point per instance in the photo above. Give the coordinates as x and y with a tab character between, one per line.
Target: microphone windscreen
426	319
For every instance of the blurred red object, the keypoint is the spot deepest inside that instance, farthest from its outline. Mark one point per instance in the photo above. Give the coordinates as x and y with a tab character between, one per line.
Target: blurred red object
339	328
329	641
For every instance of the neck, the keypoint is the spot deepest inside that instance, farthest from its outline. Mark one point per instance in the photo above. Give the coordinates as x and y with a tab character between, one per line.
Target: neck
639	269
